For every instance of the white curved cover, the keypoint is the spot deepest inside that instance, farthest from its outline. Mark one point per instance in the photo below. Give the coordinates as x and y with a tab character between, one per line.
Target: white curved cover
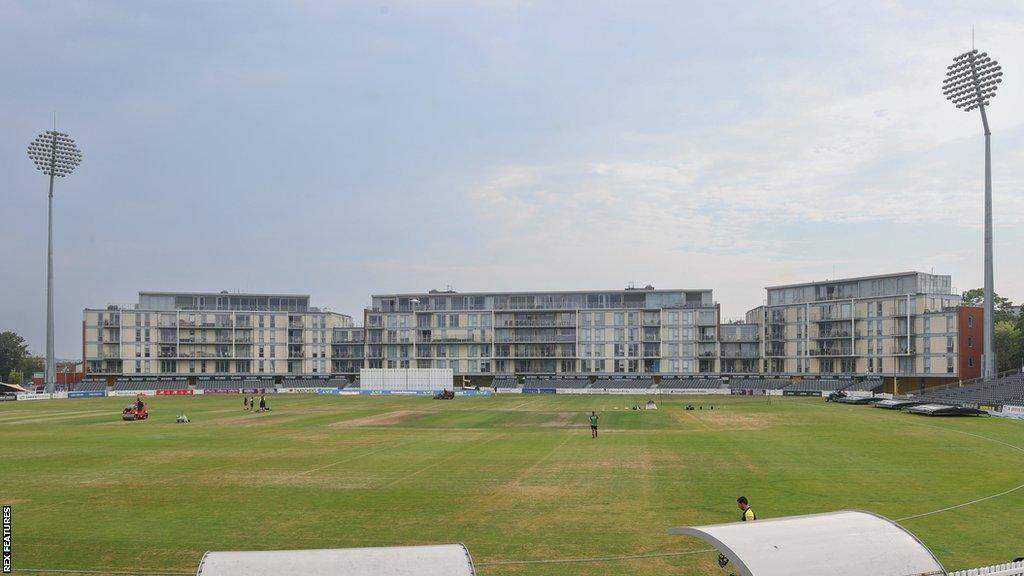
844	543
444	560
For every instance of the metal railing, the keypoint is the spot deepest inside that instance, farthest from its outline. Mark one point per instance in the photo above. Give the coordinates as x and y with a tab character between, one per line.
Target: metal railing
1008	569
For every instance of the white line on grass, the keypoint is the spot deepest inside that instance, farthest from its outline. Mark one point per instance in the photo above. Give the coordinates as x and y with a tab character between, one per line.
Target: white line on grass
472	446
962	504
342	461
947	509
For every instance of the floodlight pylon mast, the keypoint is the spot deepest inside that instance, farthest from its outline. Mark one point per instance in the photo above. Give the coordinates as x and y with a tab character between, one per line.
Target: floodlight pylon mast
54	154
971	83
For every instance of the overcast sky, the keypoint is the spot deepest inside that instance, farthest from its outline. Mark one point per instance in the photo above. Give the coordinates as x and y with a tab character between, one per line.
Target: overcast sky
343	149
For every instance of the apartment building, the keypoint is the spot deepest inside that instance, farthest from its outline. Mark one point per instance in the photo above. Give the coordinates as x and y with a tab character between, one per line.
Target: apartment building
196	333
907	325
740	348
635	330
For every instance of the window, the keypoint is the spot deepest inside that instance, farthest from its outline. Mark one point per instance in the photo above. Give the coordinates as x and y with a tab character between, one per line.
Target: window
970	321
970	341
970	361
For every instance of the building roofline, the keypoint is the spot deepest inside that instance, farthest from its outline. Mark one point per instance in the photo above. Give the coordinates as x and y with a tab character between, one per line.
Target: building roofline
137	308
525	292
852	279
158	293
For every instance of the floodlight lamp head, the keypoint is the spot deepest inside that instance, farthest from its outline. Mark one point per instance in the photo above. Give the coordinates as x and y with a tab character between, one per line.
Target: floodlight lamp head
971	80
54	154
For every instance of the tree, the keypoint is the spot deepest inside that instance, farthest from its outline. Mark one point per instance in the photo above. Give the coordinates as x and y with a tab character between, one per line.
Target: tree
15	377
32	364
1009	346
1005	311
13	351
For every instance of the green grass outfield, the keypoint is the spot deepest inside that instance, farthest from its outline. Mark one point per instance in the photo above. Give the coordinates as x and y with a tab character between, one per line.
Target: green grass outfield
513	477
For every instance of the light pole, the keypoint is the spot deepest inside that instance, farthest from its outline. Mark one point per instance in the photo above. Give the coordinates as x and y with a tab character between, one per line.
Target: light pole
970	83
55	155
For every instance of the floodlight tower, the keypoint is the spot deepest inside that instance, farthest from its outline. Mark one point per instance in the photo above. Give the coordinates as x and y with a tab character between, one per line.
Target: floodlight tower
55	155
971	82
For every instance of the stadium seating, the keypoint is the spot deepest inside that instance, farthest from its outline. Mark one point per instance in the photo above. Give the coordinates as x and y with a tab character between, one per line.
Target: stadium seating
864	386
91	385
337	382
504	382
759	383
820	385
130	385
686	383
623	383
233	384
1008	389
306	383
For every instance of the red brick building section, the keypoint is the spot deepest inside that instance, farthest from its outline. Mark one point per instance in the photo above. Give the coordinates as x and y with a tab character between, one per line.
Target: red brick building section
971	340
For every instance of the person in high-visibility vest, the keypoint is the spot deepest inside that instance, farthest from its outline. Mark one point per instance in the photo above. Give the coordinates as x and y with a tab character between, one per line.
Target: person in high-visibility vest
748	512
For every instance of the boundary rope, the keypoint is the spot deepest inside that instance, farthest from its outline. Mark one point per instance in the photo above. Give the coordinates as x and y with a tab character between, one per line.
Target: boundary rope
111	572
594	559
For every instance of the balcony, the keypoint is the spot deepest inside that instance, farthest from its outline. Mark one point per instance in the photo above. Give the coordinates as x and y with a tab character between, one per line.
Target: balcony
833	317
842	351
293	324
347	356
530	339
833	334
536	324
739	354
